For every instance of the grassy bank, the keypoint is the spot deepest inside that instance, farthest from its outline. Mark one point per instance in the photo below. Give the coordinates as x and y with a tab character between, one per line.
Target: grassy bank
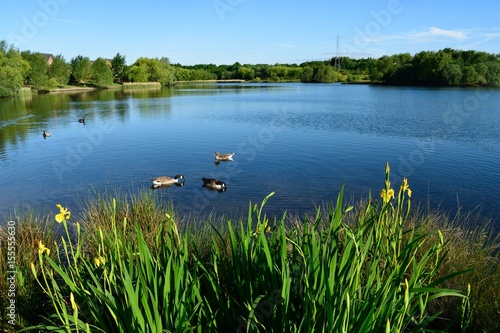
141	85
129	264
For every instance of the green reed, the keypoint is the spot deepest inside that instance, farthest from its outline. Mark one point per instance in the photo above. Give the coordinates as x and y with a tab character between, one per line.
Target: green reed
258	275
124	288
29	230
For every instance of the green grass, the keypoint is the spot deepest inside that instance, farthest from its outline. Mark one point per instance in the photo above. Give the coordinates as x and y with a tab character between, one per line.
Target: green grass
127	264
29	298
140	85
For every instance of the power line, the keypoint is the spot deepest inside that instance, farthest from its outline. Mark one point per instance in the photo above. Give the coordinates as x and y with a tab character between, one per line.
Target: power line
337	55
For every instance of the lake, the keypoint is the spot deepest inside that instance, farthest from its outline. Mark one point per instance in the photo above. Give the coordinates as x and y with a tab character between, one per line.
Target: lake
301	141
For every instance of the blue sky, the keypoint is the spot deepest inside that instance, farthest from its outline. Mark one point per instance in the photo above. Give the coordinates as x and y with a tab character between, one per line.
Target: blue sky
248	31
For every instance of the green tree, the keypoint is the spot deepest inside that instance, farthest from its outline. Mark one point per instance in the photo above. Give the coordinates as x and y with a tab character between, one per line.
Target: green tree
202	74
119	67
261	71
403	75
481	70
470	76
441	60
245	73
13	69
424	65
81	69
59	70
165	73
278	72
480	57
393	69
382	69
493	73
294	73
37	77
307	74
182	74
156	71
234	67
445	67
325	74
467	57
152	70
451	75
221	71
102	75
139	71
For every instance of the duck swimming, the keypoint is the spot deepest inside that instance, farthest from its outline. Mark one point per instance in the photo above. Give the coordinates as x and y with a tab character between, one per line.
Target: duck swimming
223	157
165	180
214	184
81	121
46	134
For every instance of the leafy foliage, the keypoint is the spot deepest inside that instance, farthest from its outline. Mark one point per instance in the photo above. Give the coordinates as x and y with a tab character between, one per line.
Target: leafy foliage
152	70
446	67
102	75
59	70
13	69
37	76
119	67
81	69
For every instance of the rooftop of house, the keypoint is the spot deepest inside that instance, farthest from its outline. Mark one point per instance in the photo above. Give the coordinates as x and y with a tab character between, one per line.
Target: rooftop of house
47	55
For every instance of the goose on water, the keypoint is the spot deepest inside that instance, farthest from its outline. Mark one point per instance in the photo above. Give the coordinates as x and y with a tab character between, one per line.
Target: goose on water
214	184
223	157
165	180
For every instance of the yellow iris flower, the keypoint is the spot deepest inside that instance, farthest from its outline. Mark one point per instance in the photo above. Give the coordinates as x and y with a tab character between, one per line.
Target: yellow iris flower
64	214
97	262
42	248
267	227
387	195
406	187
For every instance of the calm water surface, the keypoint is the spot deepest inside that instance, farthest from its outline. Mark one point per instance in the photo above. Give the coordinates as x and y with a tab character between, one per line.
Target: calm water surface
300	141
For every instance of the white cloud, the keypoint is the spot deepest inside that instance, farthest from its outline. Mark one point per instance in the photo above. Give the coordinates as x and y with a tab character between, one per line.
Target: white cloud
479	38
423	35
423	38
438	32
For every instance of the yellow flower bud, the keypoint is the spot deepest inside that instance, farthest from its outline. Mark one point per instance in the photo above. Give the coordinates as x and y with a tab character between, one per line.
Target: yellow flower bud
72	301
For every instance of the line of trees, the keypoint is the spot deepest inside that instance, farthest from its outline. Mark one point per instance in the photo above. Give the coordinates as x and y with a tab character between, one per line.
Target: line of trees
31	69
318	71
446	67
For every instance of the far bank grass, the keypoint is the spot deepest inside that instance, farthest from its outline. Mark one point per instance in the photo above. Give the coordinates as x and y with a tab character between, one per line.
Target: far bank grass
129	259
141	85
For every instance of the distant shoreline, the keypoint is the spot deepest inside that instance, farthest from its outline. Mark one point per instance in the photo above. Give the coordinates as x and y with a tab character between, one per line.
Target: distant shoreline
133	85
69	89
214	81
